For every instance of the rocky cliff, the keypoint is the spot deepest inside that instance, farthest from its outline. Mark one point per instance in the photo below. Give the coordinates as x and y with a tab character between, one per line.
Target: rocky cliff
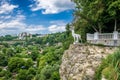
79	62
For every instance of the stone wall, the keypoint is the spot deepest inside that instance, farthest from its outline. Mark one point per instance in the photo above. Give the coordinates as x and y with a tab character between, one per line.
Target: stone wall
79	62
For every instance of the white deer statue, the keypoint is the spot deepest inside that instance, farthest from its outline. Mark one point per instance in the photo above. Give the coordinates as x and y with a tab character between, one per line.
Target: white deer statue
76	37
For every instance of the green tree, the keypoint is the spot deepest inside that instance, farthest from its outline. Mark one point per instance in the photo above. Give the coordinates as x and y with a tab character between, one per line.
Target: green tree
1	39
22	75
113	9
96	15
3	59
68	29
26	74
46	73
34	54
15	64
6	74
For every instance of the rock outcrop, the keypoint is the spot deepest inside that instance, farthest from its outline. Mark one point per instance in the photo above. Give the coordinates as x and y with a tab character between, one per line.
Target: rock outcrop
79	62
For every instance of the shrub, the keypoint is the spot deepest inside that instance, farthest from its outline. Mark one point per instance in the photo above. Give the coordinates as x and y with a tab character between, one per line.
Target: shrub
46	73
26	74
15	64
110	67
22	75
108	72
5	74
3	60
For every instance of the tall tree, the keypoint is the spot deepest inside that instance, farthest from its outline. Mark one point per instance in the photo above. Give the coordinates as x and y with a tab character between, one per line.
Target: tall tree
96	14
114	11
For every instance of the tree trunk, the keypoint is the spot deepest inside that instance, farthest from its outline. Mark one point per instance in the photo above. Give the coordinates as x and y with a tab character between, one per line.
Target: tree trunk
100	27
94	28
115	26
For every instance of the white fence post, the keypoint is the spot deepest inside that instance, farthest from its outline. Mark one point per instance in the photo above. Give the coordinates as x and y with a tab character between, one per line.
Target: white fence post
115	35
96	36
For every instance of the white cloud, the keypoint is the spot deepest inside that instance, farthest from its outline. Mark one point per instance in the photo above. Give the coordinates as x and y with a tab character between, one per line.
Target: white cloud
9	22
58	22
56	28
52	6
5	17
35	29
6	8
16	25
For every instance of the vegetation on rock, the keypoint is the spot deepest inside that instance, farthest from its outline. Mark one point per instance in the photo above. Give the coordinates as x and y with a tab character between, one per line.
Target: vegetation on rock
109	68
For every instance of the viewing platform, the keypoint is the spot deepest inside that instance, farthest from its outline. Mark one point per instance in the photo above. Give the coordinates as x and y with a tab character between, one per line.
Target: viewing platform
109	39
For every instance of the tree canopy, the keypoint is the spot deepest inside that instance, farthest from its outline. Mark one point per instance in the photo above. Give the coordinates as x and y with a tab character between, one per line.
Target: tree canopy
97	15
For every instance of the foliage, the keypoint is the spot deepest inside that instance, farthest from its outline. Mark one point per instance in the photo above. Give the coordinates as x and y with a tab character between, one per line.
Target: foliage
109	73
49	64
34	55
15	64
109	67
18	43
22	75
5	44
68	29
38	59
26	74
5	74
7	38
3	60
96	16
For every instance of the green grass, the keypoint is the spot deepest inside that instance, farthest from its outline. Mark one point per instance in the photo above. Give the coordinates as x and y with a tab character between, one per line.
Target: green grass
110	67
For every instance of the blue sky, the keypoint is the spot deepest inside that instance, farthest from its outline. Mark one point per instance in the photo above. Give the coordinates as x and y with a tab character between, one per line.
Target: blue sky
34	16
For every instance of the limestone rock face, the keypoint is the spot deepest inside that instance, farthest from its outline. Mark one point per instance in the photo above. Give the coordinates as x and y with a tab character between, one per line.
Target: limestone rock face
79	62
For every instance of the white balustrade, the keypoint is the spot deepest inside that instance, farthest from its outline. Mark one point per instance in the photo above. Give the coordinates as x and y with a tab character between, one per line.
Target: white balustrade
104	38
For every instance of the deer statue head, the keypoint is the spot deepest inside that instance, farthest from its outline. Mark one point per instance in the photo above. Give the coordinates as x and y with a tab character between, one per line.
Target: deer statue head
72	29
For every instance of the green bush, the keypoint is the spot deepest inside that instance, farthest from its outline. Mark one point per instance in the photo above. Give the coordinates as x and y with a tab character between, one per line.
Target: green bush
0	69
110	67
15	64
3	59
5	74
22	75
34	54
46	73
108	73
26	74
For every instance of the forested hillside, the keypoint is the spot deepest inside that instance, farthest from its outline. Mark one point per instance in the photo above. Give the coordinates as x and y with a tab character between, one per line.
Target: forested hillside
33	59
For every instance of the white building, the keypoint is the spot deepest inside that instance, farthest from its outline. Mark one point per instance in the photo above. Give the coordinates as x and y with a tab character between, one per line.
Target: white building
23	35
